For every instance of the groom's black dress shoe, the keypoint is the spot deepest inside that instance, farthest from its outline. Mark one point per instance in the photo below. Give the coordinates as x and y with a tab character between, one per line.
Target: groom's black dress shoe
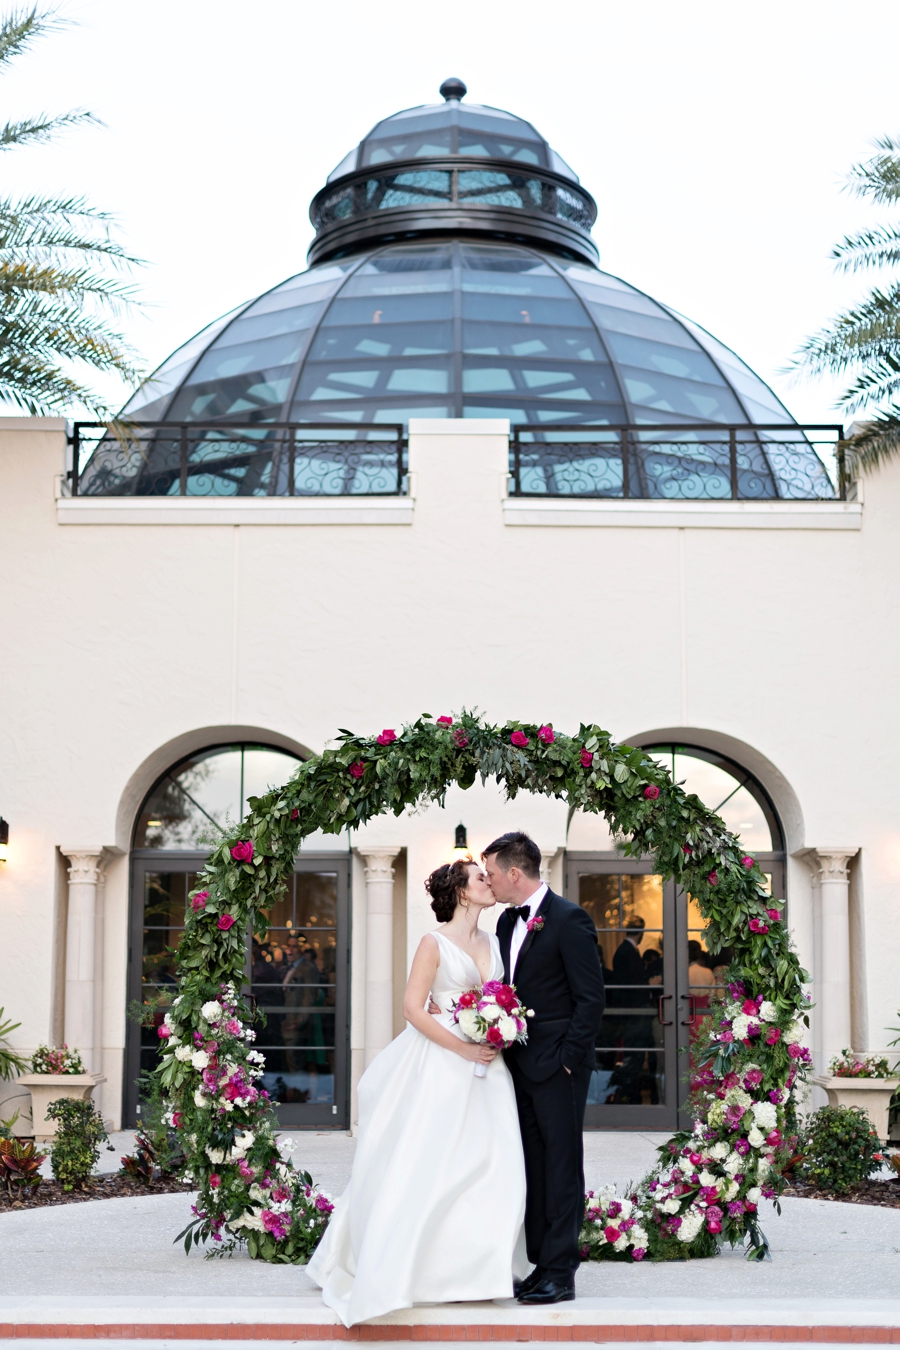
525	1286
548	1290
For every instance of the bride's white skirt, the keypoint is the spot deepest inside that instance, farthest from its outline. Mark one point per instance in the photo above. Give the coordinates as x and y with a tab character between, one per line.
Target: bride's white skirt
435	1207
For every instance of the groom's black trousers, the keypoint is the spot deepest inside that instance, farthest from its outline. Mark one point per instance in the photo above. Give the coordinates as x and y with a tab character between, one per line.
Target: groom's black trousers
551	1117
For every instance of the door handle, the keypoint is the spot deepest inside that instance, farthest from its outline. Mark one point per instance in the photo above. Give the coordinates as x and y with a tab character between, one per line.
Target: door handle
659	1011
692	1011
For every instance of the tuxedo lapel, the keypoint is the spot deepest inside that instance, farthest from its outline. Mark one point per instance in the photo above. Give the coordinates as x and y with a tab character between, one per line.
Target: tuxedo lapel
542	909
505	939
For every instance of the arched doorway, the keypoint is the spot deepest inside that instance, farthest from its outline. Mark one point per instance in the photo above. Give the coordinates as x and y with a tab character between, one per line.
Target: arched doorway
661	979
297	972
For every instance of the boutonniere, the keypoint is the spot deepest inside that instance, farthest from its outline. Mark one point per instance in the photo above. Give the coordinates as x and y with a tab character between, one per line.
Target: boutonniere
536	924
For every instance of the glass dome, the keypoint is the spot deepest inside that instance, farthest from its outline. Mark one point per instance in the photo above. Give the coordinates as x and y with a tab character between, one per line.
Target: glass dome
453	275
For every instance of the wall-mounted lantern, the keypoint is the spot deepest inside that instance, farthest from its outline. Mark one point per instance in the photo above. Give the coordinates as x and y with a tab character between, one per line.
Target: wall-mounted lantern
460	846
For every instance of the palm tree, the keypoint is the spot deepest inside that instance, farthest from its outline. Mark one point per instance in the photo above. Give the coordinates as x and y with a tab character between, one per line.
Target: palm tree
56	287
866	339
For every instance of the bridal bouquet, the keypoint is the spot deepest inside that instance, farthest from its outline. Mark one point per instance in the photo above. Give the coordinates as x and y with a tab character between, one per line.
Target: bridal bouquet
492	1015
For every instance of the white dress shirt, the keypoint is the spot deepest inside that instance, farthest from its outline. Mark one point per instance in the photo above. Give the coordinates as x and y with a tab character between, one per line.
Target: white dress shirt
520	932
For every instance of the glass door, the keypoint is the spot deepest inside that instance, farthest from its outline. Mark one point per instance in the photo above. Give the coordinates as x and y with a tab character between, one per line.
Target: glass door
297	975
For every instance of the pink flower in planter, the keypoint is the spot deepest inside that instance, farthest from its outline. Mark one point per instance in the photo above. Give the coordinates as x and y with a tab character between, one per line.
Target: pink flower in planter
357	769
199	900
445	721
519	738
546	734
651	792
587	759
387	736
243	851
224	922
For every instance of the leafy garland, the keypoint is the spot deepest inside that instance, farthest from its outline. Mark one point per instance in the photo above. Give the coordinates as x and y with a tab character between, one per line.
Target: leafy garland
707	1185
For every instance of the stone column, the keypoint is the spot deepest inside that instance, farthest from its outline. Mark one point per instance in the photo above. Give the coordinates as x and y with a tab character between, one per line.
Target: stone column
85	866
379	861
831	871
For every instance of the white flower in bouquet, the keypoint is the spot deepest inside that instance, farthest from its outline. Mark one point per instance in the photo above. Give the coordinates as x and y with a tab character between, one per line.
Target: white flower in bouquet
767	1011
765	1115
754	1195
251	1218
212	1011
508	1028
731	1190
741	1027
168	1020
200	1098
756	1137
286	1144
719	1152
467	1020
763	1168
732	1011
256	1192
738	1097
183	1053
492	1012
639	1236
621	1243
671	1206
691	1224
794	1034
627	1209
215	1155
707	1179
246	1140
734	1163
199	1059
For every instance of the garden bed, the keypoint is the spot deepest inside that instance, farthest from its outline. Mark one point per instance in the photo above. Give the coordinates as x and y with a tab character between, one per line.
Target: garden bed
111	1187
883	1193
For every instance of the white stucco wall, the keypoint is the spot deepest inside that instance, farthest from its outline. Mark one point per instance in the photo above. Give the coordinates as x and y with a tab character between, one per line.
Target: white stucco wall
132	627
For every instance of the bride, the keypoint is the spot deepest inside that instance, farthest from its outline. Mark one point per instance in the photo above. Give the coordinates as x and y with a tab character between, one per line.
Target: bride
435	1206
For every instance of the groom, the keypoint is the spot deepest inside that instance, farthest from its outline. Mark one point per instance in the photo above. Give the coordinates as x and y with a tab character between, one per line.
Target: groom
549	949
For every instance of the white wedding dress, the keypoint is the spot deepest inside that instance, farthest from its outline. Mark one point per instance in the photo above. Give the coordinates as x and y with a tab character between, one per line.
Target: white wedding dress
435	1207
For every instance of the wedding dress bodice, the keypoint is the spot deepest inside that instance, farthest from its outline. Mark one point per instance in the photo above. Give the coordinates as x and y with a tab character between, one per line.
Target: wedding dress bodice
458	972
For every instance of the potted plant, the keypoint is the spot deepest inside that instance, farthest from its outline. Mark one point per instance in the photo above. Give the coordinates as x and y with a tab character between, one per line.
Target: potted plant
56	1074
861	1080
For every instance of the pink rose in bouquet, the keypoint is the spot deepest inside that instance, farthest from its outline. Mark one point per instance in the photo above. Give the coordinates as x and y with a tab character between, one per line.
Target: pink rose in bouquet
492	1015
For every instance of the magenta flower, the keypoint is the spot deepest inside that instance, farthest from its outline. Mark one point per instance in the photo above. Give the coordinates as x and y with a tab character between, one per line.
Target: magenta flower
752	1078
736	1209
445	721
638	1253
686	850
713	878
773	1037
749	1007
295	814
233	1026
163	1032
224	922
460	739
243	851
775	1096
357	769
215	1181
741	1146
651	792
747	862
757	926
519	738
387	736
246	1172
199	900
587	759
611	1234
177	1120
323	1204
546	734
774	914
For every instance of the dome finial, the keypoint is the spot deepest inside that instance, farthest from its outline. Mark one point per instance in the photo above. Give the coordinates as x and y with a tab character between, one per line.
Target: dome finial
453	90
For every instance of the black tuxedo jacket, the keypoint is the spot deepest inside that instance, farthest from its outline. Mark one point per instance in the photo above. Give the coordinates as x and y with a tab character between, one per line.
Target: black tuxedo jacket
558	975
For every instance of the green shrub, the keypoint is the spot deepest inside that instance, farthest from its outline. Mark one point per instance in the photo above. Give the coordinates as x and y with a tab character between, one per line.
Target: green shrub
839	1146
75	1148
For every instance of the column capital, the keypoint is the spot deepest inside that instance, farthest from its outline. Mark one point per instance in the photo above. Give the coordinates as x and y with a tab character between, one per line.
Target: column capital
379	860
85	863
829	862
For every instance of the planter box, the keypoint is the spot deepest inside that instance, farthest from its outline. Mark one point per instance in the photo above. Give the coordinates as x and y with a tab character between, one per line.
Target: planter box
873	1094
49	1087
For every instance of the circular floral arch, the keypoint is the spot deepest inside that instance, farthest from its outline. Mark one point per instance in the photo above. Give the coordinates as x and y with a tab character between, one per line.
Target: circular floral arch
708	1183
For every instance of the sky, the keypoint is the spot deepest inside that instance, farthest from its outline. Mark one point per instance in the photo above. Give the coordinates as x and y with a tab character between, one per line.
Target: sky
715	137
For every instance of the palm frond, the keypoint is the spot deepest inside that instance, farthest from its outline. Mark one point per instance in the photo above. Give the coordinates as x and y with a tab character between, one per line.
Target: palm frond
879	177
35	130
876	442
870	248
868	331
20	27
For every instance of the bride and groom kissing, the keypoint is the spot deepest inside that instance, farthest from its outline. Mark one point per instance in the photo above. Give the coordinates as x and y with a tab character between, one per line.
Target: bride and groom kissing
467	1188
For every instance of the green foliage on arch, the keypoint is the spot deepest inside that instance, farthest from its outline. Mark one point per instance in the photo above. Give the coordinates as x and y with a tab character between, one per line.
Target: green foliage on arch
708	1183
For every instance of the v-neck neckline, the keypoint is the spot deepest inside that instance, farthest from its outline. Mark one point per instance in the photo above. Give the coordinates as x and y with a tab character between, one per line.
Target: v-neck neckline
469	956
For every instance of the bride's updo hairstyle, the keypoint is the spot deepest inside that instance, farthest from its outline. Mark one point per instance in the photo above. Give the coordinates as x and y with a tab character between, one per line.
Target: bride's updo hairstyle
446	886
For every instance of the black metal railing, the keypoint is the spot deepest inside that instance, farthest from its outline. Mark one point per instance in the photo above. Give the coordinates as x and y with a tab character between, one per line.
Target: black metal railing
213	459
696	462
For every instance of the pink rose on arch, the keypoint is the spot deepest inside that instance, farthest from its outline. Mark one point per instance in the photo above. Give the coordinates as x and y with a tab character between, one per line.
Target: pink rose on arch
295	814
651	792
243	851
163	1032
587	759
387	736
519	738
246	1172
773	1037
460	739
177	1120
215	1181
774	914
199	900
747	862
757	926
546	734
224	922
445	721
795	1051
749	1007
357	769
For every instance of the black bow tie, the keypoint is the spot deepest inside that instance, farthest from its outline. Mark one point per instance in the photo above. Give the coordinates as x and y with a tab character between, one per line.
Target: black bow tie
522	912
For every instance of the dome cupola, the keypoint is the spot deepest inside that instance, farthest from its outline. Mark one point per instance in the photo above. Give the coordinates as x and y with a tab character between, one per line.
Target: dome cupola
453	168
